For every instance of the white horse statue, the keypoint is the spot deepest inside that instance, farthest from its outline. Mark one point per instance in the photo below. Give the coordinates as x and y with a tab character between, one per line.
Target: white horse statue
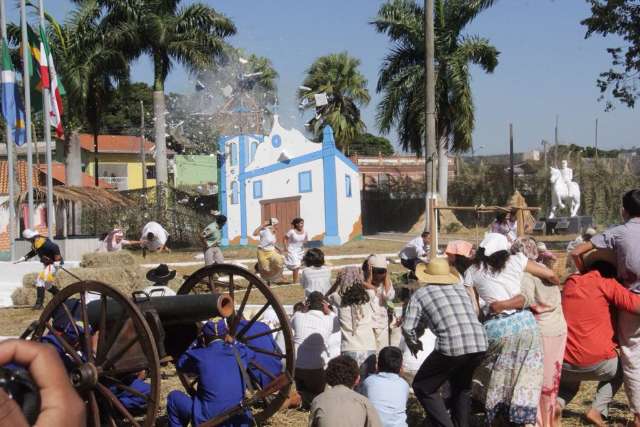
563	190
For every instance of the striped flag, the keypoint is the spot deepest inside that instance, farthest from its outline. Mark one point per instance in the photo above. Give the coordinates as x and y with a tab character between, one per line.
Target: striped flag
44	77
55	98
12	108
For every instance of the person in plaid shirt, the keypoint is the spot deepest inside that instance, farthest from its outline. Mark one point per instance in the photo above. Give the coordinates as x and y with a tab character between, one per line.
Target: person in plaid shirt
444	307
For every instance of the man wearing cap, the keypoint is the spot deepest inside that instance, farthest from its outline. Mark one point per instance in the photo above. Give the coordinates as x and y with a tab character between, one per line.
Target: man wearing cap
154	238
417	250
591	352
51	259
160	276
444	307
376	275
211	238
221	384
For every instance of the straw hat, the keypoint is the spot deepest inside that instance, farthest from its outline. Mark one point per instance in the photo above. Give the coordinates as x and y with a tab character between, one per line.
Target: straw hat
606	255
437	272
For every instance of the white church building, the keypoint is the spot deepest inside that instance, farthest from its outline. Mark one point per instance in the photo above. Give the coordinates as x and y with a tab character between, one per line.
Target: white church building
285	175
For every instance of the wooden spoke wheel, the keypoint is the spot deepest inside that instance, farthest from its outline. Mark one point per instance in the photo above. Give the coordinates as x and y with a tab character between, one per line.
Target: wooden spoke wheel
246	290
103	354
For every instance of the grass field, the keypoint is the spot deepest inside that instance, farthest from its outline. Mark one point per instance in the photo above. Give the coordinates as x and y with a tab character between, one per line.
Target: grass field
15	321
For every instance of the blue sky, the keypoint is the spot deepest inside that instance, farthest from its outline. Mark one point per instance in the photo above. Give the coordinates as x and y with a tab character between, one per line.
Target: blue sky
546	66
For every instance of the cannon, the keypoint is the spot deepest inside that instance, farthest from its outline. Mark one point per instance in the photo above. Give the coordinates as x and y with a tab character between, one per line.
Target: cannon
119	336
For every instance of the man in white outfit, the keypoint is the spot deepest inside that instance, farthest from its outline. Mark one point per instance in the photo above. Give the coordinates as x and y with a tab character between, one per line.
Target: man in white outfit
416	251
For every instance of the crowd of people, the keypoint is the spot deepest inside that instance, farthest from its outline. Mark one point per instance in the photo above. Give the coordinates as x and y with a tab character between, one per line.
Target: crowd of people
491	324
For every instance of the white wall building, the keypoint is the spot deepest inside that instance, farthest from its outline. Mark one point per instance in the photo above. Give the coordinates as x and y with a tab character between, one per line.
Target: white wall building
285	175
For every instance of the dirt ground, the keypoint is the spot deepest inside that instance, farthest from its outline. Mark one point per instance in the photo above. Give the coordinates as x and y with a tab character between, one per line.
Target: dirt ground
15	321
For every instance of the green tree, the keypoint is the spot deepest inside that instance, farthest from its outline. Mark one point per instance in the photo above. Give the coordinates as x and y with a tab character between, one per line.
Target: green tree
91	63
370	145
337	76
170	34
122	115
401	78
620	18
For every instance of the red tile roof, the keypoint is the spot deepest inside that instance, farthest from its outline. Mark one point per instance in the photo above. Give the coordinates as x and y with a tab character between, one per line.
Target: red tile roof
125	144
39	176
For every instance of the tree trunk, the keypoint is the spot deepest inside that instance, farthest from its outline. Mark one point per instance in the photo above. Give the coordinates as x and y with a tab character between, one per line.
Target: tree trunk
162	177
73	161
443	168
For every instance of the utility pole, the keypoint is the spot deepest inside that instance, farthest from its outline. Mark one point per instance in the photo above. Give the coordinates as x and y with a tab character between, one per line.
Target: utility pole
544	147
511	168
430	151
143	154
596	141
27	108
555	152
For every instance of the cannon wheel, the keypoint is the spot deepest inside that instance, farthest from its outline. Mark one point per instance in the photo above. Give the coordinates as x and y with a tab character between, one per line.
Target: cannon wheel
238	282
122	348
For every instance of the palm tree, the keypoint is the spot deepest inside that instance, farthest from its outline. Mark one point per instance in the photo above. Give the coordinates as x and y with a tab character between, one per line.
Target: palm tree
191	36
90	63
401	78
338	76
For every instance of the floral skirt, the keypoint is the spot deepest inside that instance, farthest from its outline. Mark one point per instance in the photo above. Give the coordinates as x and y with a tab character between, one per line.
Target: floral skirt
509	379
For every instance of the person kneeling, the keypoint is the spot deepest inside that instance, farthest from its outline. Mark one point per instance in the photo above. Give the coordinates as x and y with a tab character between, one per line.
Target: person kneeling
339	405
221	385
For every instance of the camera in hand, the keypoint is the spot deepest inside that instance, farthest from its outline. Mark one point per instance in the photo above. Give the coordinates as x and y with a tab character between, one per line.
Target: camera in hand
18	384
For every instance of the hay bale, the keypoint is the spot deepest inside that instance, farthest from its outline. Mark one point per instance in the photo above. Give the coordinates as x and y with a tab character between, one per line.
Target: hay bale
27	296
125	279
106	259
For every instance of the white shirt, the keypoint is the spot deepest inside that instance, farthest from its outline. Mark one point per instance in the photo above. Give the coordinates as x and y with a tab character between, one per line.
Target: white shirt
315	279
500	286
380	314
333	345
295	241
310	339
414	249
159	291
411	363
267	239
356	323
160	236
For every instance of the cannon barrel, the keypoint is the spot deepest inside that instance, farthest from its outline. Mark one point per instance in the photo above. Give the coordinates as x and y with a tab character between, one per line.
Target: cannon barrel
172	310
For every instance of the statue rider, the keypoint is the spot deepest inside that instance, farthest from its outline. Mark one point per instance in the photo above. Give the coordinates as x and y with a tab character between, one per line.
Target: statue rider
567	173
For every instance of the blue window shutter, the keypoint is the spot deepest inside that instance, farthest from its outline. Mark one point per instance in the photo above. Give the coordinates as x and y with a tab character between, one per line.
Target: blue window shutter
304	182
234	154
234	193
347	185
257	189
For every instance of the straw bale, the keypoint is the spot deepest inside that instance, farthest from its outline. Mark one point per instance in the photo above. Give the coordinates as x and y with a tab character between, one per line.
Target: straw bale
125	279
106	259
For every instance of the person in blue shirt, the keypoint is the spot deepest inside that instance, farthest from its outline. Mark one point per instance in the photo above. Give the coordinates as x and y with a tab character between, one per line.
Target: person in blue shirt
135	404
266	342
386	390
221	385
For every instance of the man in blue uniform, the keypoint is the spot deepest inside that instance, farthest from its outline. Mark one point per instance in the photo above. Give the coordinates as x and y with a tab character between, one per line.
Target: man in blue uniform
221	384
49	254
271	364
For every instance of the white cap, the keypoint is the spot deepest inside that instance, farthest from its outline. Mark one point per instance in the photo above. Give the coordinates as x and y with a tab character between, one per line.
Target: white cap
494	242
541	246
274	221
29	233
590	231
377	261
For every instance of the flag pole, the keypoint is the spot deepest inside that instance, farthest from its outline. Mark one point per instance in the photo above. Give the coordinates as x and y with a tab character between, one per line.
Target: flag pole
46	109
27	108
10	148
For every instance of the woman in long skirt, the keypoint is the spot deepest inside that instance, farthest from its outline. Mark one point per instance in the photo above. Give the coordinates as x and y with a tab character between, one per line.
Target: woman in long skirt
294	242
509	380
546	303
